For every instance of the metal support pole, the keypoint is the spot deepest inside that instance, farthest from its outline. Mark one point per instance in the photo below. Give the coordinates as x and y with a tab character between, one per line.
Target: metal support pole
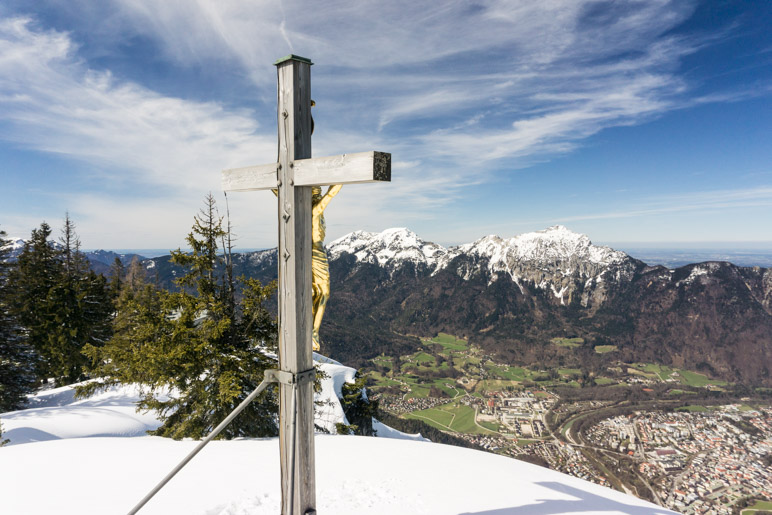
270	376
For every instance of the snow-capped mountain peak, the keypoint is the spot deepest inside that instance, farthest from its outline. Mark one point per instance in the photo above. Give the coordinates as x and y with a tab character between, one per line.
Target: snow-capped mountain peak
555	244
559	243
553	259
391	248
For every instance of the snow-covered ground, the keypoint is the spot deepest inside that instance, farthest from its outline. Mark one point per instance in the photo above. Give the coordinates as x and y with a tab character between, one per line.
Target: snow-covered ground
90	456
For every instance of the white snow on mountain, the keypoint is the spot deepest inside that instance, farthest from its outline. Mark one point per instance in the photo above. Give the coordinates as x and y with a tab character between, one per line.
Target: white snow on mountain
16	244
84	457
392	247
554	245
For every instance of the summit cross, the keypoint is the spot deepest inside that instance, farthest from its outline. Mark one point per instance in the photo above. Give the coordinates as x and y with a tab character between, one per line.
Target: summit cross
295	173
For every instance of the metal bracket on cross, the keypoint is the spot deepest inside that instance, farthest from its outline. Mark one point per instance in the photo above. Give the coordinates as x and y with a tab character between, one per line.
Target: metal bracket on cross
284	377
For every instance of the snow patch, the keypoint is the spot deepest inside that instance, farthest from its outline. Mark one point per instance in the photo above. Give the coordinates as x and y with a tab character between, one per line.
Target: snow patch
56	414
354	475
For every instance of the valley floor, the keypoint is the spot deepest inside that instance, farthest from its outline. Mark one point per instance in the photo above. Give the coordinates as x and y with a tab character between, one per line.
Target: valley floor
649	430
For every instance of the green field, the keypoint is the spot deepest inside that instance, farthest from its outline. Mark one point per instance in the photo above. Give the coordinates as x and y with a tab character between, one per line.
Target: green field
434	417
381	380
451	416
495	385
569	371
461	362
662	372
419	389
423	357
698	380
602	381
449	342
384	361
510	373
490	425
567	342
604	349
759	506
678	391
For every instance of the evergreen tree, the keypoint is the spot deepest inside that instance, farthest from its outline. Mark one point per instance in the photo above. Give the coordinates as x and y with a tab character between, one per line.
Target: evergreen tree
17	358
117	271
139	322
81	308
61	303
357	407
2	442
37	270
196	342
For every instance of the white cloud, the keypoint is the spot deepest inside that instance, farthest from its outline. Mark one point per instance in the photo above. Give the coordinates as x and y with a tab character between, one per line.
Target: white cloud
52	102
460	92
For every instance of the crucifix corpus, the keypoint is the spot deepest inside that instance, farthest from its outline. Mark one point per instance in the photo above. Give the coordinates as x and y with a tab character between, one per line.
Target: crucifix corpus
297	179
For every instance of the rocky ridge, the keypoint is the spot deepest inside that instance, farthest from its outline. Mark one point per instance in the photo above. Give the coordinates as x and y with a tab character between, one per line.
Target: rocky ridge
512	296
555	260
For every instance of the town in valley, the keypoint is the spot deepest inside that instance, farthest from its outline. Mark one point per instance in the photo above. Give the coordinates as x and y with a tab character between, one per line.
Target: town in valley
673	436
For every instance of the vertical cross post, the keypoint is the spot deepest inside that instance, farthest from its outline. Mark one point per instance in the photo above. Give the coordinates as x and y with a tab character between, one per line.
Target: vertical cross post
295	173
296	426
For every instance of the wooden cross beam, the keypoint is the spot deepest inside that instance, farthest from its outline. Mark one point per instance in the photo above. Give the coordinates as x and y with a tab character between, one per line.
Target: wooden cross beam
293	176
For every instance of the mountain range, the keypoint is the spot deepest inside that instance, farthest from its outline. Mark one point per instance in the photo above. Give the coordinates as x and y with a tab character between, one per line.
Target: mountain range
99	260
513	296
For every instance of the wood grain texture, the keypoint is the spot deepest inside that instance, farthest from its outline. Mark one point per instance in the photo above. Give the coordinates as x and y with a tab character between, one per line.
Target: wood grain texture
250	178
293	176
355	168
343	169
295	326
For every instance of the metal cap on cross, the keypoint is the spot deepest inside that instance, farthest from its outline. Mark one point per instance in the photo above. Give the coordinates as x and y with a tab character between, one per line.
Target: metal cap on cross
295	173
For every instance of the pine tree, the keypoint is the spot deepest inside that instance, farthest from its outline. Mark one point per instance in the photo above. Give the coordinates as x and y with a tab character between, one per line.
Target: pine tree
17	358
37	270
138	323
195	341
61	303
2	442
117	271
357	407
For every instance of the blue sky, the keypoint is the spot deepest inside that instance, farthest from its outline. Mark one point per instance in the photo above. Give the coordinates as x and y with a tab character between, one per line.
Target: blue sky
629	121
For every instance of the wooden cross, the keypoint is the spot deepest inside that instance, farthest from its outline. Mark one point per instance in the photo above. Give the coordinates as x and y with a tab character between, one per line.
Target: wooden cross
293	176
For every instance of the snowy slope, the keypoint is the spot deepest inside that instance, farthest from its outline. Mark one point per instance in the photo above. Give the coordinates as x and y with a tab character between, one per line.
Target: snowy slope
355	475
56	414
72	456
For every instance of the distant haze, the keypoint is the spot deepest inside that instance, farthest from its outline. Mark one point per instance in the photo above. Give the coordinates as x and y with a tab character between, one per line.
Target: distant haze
673	255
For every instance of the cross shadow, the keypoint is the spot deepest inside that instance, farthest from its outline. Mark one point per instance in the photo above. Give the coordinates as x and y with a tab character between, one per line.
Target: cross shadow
585	502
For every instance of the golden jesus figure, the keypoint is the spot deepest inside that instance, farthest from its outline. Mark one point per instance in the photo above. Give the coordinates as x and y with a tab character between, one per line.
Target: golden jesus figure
320	268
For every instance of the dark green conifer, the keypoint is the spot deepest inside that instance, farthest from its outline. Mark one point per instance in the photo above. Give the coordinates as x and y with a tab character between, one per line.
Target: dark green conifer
195	342
357	407
37	271
117	271
2	442
61	303
17	358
